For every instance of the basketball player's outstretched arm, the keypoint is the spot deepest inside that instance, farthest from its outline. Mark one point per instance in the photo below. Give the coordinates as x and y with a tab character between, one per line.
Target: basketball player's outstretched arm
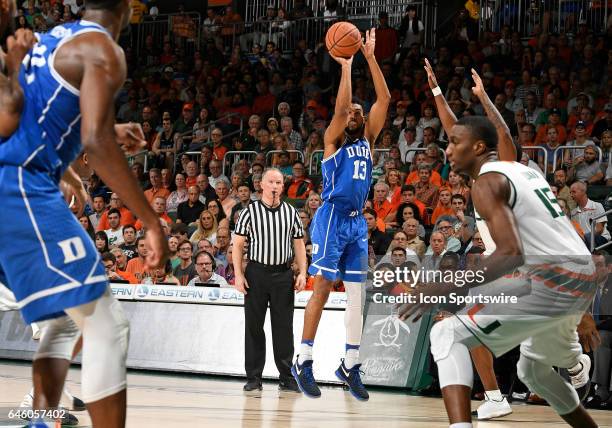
336	127
447	117
103	74
506	148
490	194
506	151
378	112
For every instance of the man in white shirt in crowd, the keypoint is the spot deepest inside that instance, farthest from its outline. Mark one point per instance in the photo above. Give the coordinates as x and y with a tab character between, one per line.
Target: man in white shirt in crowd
115	233
205	267
586	210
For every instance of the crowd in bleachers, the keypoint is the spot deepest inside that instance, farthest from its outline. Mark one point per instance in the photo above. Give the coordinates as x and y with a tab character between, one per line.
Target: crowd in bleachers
251	96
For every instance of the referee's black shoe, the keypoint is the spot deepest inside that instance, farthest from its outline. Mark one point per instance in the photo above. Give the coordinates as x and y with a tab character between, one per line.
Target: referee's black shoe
253	385
288	385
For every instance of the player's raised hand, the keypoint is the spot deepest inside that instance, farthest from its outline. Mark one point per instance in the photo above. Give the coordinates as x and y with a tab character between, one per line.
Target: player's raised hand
157	248
478	88
18	46
431	76
130	137
342	61
367	48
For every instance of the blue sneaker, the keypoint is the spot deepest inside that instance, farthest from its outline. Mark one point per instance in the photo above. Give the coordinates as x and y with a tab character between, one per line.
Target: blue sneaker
352	379
305	379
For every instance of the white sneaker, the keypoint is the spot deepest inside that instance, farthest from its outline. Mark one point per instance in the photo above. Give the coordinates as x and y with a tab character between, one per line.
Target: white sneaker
27	401
36	331
490	409
580	380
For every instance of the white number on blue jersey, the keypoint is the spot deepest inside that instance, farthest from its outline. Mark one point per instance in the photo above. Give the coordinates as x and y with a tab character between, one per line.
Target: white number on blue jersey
360	170
37	59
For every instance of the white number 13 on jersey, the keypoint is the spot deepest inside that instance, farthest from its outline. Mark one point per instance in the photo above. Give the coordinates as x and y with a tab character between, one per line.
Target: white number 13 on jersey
361	168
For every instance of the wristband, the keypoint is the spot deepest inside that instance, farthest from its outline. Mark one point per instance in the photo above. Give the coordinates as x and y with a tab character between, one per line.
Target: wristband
436	91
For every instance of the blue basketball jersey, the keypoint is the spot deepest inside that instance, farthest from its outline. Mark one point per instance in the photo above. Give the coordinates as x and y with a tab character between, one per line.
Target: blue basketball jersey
49	135
347	175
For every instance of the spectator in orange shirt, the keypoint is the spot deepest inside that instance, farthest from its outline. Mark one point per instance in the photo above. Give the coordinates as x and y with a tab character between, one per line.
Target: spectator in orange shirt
299	186
554	121
136	266
110	267
264	103
421	159
191	169
126	215
159	206
444	204
156	186
381	204
219	149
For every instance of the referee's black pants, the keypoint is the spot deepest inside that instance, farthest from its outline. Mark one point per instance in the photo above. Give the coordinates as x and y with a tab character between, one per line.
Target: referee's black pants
271	285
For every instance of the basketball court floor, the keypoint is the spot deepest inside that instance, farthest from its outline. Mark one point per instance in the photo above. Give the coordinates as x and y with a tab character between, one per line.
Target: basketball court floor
167	400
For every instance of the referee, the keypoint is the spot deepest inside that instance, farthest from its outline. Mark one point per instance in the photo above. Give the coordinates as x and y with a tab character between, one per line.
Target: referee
270	226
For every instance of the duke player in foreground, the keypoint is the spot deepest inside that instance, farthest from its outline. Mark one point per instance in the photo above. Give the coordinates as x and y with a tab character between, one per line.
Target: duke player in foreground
338	230
50	264
530	233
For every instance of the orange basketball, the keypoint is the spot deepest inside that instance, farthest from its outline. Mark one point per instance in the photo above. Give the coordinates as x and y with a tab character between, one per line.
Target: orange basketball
343	39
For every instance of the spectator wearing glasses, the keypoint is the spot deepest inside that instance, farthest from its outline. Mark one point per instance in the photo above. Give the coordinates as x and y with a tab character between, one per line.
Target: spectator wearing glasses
446	226
110	268
216	173
205	269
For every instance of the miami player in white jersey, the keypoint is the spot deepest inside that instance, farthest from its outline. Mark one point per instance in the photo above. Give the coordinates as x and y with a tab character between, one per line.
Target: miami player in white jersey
338	231
495	405
532	235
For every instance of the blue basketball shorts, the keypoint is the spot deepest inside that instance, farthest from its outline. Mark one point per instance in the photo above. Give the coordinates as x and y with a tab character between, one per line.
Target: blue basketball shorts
46	257
339	244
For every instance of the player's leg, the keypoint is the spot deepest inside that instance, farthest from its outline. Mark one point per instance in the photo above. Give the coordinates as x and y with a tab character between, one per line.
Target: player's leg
353	271
495	404
450	341
326	247
105	341
548	384
52	360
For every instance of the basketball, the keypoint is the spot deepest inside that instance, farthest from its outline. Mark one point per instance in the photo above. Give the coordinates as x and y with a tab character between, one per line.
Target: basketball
343	39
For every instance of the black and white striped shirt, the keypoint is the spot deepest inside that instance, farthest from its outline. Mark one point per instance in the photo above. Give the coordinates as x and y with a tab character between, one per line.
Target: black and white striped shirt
270	232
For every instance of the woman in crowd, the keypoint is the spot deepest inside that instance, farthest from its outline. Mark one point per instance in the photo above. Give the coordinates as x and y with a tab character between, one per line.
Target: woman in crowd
215	208
313	202
101	240
177	196
149	133
201	130
457	186
86	223
206	228
444	205
405	212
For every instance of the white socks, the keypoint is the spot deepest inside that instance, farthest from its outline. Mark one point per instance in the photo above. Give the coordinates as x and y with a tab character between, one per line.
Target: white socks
495	395
461	425
305	351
